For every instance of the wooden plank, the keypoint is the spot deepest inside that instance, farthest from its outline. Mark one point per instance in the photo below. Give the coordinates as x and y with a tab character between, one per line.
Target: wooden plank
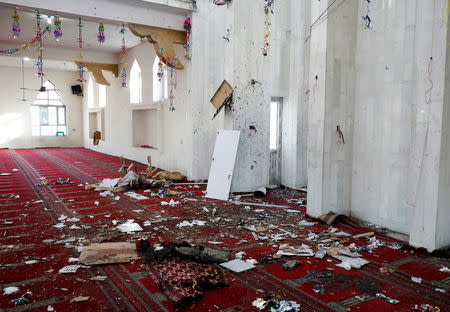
221	94
107	253
222	165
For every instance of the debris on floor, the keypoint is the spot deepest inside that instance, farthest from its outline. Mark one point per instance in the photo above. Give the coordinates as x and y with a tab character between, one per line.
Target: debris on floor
182	277
108	253
276	304
238	265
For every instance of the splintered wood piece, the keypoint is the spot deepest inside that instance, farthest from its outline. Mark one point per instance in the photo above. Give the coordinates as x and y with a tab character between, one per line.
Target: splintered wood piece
103	188
108	253
80	299
97	68
161	37
221	94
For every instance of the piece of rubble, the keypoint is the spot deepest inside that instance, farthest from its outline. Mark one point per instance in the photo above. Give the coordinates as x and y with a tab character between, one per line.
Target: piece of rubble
80	299
69	269
291	264
10	290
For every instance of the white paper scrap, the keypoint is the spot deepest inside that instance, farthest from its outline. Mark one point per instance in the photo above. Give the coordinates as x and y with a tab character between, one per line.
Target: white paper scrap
417	280
194	222
60	225
109	182
237	265
10	290
135	195
69	269
129	227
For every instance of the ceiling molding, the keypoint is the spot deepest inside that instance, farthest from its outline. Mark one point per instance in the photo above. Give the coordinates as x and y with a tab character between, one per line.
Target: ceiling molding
97	68
161	38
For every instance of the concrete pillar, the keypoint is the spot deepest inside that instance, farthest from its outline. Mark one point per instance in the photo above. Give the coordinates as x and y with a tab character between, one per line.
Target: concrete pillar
429	178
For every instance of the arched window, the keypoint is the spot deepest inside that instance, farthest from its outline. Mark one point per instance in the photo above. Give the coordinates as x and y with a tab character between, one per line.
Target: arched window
135	84
101	95
48	113
91	102
160	90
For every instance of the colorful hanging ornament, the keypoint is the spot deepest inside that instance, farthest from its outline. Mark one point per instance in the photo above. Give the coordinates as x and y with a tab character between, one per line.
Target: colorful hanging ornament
39	62
268	8
57	31
101	33
367	20
160	73
15	25
124	71
36	39
187	45
80	45
222	2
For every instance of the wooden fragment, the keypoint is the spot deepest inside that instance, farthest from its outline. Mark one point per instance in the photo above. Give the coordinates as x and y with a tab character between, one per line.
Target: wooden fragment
161	37
362	235
221	95
108	253
97	68
103	188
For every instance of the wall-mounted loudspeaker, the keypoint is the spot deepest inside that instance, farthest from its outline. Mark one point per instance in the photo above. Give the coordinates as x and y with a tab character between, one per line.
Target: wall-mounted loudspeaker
76	89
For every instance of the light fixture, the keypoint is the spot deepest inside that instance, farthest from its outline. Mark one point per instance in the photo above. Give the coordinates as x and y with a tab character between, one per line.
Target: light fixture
26	58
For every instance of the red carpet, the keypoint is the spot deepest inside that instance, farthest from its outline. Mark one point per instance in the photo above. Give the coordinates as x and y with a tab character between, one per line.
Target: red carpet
32	251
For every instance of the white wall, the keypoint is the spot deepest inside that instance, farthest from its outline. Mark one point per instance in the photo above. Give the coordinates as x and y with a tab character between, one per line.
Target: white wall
392	171
170	152
15	115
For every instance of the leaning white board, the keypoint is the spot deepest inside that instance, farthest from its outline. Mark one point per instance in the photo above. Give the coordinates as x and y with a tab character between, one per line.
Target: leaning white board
222	165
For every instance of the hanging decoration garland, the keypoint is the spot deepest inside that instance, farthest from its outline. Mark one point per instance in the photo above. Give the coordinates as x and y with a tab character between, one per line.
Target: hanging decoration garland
124	71
268	8
80	45
101	33
160	73
222	2
187	45
39	63
27	45
57	31
15	25
367	20
172	64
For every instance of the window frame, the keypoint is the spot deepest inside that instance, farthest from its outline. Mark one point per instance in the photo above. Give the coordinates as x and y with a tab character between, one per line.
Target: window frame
47	106
163	84
135	70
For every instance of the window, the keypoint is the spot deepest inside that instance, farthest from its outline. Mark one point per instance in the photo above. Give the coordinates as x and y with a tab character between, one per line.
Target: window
101	95
160	90
48	113
90	93
135	84
273	125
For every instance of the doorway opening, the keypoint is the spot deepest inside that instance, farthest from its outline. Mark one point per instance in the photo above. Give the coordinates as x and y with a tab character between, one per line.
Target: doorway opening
275	141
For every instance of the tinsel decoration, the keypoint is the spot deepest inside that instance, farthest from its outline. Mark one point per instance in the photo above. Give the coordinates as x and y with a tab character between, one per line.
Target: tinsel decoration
39	63
268	8
173	81
222	2
57	31
27	45
160	73
187	45
80	45
101	33
15	25
367	20
124	71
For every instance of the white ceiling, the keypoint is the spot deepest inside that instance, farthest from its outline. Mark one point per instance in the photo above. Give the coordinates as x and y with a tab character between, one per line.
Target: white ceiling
69	27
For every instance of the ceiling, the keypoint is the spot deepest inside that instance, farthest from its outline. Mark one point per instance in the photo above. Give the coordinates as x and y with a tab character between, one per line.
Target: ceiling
69	26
